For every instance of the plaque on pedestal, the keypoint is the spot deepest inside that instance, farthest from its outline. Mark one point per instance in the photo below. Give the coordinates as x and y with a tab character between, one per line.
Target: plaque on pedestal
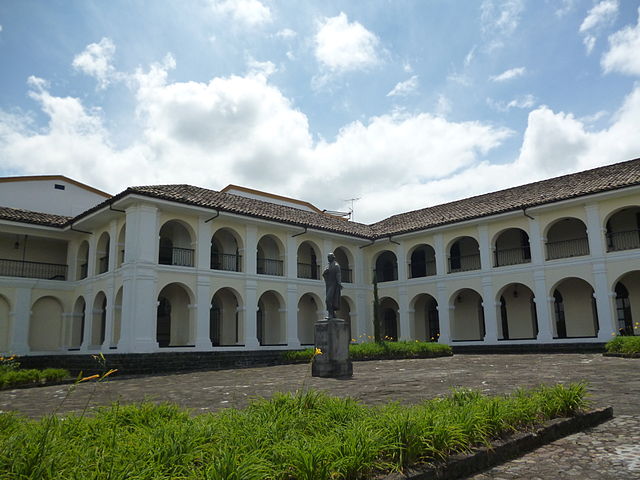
332	337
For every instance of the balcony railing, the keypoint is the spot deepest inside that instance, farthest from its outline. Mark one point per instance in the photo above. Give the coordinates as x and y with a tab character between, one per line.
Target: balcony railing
567	248
103	264
19	268
512	256
626	240
307	270
425	269
269	266
229	262
346	275
176	256
464	263
386	274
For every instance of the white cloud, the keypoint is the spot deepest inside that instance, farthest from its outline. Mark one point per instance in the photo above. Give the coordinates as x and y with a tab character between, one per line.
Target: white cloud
509	74
469	57
443	106
402	89
600	16
249	13
524	101
95	61
286	33
343	46
499	19
565	7
407	67
623	55
459	78
265	69
0	28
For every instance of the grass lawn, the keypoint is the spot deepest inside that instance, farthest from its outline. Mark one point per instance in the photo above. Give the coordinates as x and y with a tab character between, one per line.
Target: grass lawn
307	435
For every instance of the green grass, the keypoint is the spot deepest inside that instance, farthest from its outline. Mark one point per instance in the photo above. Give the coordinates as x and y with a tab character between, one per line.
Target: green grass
382	350
628	345
303	436
13	378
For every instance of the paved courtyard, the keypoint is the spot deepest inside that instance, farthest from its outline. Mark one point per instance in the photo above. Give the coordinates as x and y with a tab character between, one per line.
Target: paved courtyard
609	451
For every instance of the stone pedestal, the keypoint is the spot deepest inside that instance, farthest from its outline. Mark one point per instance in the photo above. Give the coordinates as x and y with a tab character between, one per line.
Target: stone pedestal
332	336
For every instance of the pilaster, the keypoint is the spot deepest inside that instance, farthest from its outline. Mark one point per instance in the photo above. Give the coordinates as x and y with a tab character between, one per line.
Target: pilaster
604	303
293	340
444	317
251	308
543	310
490	311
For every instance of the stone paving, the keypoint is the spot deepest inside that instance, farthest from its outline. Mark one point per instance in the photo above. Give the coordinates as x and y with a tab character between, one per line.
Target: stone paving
609	451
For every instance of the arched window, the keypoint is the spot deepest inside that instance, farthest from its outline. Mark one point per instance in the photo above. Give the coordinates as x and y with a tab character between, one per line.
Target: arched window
623	310
558	307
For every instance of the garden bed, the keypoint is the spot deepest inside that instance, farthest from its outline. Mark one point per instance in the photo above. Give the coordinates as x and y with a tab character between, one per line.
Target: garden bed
627	347
379	351
12	376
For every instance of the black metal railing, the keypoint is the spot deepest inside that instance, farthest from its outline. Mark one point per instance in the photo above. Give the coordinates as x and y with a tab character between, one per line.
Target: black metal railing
512	256
229	262
464	263
176	256
269	266
626	240
568	248
386	274
20	268
308	270
103	264
422	269
346	275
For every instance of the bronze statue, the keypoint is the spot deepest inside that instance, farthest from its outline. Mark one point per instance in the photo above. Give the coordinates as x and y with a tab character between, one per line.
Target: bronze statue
333	283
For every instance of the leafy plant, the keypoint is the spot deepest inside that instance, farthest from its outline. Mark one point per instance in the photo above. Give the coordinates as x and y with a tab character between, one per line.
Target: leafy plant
623	344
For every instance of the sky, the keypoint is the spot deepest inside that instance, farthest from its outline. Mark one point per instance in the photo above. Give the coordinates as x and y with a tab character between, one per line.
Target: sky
396	104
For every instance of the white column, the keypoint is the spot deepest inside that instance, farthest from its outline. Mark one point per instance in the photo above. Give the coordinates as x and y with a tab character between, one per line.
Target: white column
20	319
441	257
203	245
203	302
91	258
292	257
401	256
327	248
543	310
109	314
404	320
292	317
490	316
250	309
141	242
594	230
536	243
444	317
88	318
604	303
251	249
485	249
113	246
72	260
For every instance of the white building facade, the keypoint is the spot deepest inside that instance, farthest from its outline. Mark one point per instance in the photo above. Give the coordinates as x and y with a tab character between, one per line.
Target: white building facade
179	268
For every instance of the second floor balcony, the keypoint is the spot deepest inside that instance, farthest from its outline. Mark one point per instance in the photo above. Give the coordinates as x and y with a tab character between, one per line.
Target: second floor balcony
464	263
512	256
20	268
270	266
310	271
176	256
567	248
626	240
226	261
346	274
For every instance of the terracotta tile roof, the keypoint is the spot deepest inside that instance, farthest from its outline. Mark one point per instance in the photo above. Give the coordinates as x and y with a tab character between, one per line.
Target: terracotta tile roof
36	218
588	182
228	202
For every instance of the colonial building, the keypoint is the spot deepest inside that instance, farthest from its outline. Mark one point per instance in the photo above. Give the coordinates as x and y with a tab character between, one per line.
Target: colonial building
183	268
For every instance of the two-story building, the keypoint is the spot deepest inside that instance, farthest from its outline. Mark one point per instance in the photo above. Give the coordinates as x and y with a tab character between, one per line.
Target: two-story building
182	268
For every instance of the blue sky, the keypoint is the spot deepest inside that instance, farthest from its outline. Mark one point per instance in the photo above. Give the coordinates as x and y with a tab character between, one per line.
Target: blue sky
402	104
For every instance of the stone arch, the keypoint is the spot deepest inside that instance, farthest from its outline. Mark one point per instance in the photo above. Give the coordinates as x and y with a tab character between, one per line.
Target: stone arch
176	244
310	310
344	257
121	243
226	248
422	261
574	308
174	322
225	327
464	254
270	255
467	317
389	319
271	323
5	324
426	320
309	260
622	228
626	290
511	247
386	266
565	238
102	253
517	315
46	324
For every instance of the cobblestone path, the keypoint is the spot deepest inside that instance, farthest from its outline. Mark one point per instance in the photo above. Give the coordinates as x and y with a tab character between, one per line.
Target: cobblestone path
609	451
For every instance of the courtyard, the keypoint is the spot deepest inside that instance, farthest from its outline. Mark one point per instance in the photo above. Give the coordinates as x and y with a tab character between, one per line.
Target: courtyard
609	451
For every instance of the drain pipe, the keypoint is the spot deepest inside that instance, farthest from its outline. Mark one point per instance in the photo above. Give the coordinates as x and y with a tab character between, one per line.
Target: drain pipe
524	212
301	233
214	217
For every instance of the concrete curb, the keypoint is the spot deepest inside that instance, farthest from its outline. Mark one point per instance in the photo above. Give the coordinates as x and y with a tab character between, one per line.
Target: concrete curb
621	355
464	465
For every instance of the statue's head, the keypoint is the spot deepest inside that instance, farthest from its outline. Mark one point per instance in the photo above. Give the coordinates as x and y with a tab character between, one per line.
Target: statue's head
331	257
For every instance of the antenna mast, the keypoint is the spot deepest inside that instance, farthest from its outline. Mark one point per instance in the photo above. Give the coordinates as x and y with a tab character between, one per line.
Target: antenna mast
352	200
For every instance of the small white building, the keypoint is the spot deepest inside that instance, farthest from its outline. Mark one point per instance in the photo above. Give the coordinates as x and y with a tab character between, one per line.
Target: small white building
182	268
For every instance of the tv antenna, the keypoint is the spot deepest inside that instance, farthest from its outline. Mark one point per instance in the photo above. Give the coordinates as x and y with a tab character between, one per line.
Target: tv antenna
352	200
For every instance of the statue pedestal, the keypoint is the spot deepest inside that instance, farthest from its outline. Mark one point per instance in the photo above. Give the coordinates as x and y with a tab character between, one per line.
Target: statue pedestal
332	337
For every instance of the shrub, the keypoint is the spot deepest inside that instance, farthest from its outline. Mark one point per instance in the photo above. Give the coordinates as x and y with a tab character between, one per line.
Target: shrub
9	363
381	350
13	378
627	345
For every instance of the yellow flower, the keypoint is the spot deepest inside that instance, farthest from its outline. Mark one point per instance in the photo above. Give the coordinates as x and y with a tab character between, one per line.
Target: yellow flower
613	334
317	351
88	378
113	370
